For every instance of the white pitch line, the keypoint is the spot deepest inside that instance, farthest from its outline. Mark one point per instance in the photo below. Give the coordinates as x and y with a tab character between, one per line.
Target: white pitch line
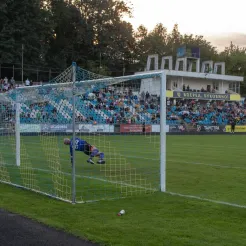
210	165
191	163
167	192
207	200
206	146
33	190
96	178
177	161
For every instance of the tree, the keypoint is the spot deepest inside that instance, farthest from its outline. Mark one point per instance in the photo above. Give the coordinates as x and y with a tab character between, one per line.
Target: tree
69	34
25	22
158	41
235	58
109	37
174	40
154	42
141	33
94	34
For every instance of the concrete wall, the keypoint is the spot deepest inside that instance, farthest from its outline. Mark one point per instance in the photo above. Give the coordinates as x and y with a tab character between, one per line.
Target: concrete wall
153	85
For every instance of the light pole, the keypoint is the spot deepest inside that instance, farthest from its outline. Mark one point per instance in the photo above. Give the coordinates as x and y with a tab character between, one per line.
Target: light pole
22	65
100	61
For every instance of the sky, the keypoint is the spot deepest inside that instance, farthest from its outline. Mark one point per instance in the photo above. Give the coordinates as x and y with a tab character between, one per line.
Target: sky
211	18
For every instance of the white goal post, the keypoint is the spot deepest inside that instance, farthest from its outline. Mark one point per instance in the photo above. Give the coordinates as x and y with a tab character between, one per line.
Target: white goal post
17	133
24	97
106	112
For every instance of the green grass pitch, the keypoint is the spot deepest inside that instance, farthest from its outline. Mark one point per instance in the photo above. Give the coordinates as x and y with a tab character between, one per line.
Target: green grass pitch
206	167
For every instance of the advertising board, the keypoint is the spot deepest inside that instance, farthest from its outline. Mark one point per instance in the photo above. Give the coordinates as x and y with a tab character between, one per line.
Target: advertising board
95	128
156	128
125	128
27	128
237	128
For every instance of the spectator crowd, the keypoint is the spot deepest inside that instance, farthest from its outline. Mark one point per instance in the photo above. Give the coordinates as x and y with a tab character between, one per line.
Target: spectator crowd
115	105
7	84
207	112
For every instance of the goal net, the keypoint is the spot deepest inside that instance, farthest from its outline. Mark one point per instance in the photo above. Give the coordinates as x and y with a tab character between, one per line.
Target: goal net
118	128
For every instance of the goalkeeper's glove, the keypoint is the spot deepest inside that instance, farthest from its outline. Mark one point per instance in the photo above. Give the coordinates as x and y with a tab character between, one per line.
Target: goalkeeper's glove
71	160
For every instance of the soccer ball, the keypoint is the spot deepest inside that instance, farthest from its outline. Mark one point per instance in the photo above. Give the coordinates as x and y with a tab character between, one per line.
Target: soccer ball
121	212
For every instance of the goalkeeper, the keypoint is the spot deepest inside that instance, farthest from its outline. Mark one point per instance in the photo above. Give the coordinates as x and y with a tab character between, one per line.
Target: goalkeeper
83	146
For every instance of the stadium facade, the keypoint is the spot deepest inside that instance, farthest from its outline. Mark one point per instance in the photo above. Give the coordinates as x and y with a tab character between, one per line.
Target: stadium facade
192	79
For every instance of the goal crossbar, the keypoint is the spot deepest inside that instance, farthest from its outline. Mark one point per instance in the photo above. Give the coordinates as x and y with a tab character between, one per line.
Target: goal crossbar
75	88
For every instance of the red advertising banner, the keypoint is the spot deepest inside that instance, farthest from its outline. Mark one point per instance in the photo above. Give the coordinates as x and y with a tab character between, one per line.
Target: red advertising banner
134	128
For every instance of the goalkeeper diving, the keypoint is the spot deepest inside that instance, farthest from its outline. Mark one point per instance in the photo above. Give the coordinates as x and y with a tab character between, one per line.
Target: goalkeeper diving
83	146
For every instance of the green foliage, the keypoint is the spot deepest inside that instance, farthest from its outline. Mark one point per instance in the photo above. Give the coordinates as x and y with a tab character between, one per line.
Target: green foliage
159	41
68	38
24	22
235	58
94	67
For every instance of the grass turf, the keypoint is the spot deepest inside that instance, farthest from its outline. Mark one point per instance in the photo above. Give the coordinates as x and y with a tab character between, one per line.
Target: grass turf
207	166
158	219
211	167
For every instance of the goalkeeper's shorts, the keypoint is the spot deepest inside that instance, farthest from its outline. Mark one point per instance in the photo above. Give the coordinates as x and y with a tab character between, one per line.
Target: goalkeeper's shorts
87	149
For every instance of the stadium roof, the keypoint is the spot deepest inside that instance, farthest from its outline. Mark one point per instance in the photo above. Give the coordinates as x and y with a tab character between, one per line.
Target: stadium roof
198	75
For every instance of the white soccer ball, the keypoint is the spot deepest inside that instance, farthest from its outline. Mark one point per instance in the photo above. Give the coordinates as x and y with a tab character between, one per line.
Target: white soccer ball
122	212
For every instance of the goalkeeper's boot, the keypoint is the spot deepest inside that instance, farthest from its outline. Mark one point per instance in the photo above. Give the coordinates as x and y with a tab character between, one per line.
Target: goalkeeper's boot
90	161
101	161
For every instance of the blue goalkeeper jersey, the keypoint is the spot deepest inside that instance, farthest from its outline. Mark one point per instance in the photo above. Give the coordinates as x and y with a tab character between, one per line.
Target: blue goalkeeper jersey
79	145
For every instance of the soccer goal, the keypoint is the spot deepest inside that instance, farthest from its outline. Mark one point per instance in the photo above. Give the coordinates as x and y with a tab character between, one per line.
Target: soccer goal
118	128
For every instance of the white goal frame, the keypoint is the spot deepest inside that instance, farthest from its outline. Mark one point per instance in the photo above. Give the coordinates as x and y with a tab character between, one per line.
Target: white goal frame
112	80
73	83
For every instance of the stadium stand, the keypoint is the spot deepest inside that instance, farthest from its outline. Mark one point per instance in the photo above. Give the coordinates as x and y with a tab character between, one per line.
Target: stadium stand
110	106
